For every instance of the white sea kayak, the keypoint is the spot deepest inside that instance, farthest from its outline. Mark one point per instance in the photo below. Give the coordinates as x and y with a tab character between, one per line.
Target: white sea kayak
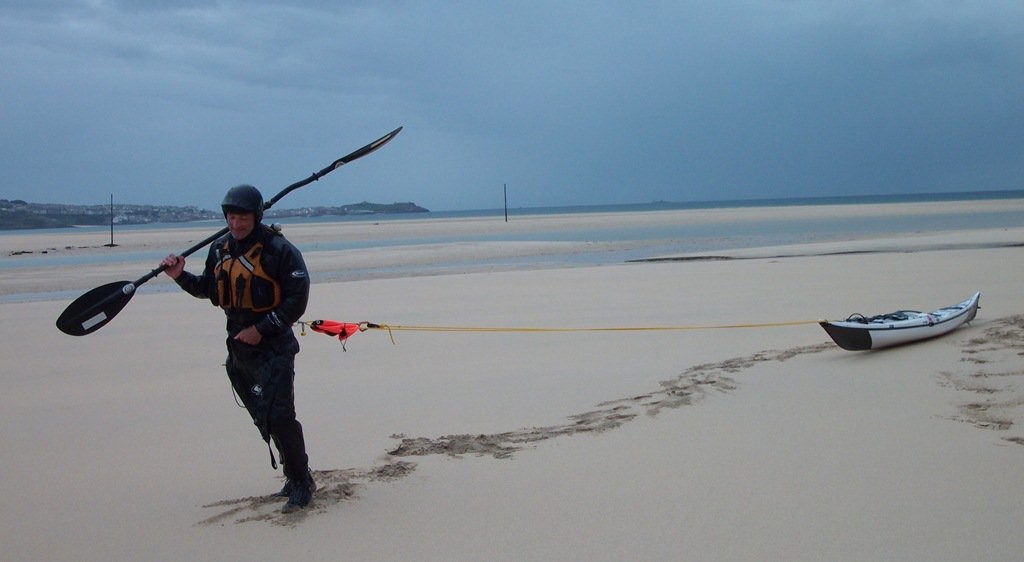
859	332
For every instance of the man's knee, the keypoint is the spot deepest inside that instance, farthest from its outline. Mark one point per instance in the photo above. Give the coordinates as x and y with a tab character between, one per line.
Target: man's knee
282	419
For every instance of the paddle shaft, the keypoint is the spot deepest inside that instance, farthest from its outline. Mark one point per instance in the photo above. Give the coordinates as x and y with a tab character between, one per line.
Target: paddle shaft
95	308
270	203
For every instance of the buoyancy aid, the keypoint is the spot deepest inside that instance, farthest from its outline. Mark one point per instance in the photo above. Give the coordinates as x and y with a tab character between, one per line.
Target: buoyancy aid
241	282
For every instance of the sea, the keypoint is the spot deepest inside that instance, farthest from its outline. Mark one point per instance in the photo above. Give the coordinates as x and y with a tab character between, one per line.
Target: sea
630	243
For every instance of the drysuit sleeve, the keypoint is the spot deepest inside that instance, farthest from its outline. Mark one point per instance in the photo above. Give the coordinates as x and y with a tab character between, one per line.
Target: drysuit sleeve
294	280
200	286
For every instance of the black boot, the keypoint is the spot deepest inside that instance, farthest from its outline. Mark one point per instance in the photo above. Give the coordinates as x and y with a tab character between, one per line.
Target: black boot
301	494
286	490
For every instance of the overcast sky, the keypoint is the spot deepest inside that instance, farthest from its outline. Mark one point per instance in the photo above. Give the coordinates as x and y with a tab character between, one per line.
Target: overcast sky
569	103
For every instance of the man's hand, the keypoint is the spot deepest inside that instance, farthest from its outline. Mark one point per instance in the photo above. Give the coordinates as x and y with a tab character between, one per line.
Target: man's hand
250	336
173	265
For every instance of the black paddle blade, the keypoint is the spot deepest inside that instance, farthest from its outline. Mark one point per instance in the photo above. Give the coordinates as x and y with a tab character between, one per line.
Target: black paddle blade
94	309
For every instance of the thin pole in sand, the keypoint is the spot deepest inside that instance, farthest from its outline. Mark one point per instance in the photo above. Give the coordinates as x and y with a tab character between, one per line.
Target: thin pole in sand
504	188
111	245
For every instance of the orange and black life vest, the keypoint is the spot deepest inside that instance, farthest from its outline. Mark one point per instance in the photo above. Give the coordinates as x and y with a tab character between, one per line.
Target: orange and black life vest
241	282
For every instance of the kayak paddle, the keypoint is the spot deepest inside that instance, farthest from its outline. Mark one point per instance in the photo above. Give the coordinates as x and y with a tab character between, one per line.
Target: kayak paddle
96	308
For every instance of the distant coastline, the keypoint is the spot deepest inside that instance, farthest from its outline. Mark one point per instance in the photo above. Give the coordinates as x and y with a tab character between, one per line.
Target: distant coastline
22	215
143	215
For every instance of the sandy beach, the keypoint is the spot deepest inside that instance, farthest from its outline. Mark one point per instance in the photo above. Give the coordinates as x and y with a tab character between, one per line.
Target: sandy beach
661	436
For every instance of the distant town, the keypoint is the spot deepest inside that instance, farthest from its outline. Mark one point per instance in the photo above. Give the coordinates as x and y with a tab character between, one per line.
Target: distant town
17	214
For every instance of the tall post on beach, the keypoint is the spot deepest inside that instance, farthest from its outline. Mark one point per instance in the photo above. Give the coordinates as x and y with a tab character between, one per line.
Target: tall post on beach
111	245
504	188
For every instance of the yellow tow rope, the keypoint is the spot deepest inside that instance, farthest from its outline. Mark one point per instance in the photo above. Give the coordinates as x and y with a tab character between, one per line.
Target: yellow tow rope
391	328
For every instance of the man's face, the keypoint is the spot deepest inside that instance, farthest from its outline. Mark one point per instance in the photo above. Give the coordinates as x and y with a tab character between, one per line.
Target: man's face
241	224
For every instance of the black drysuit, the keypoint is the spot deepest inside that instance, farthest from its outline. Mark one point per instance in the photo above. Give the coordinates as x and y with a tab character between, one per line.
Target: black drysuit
263	375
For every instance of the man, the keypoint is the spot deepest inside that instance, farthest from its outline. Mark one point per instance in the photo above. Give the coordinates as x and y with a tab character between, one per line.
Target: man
261	282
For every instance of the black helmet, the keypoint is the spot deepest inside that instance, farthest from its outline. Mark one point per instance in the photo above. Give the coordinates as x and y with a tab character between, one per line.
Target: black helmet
243	198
